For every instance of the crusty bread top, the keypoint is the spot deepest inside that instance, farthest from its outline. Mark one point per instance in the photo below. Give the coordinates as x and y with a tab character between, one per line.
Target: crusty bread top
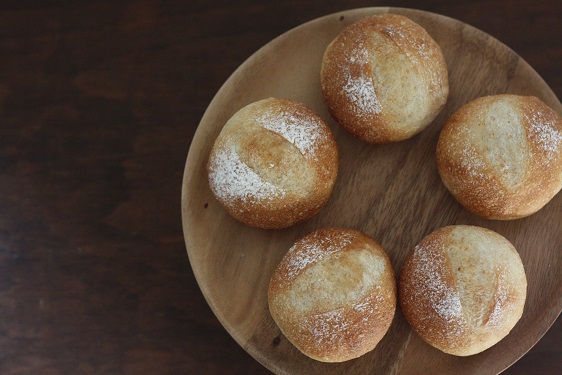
274	163
501	156
463	289
333	295
384	78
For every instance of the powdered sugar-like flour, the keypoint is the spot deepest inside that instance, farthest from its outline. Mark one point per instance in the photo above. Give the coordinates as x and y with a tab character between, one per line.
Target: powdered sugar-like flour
327	328
545	134
429	270
303	132
230	178
312	249
359	89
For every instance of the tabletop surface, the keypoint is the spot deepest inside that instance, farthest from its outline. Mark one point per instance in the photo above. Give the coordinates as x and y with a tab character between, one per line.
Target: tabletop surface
99	101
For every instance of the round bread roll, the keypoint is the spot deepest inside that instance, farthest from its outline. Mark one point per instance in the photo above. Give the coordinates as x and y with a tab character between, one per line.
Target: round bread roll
501	156
384	79
463	289
334	294
274	164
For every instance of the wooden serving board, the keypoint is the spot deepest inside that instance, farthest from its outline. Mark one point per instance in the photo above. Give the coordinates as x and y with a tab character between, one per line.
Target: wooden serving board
391	192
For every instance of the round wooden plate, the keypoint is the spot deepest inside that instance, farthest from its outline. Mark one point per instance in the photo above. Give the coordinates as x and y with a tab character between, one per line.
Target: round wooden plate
391	192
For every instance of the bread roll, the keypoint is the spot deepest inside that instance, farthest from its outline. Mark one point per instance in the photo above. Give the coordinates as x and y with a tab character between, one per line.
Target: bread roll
274	164
501	156
463	289
384	78
334	294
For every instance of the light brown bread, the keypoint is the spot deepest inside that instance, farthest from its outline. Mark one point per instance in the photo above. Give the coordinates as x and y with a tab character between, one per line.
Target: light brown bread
274	164
501	156
463	289
334	294
384	78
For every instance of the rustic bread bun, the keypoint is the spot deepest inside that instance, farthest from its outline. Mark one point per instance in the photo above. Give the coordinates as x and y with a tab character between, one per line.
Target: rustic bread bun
274	164
334	294
501	156
384	78
463	289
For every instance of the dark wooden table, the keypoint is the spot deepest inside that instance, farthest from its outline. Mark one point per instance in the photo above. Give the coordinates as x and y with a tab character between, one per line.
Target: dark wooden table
99	101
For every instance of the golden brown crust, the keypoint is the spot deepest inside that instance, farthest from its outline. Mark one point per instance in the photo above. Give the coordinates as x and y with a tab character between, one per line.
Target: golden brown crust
324	330
462	289
471	165
274	164
360	73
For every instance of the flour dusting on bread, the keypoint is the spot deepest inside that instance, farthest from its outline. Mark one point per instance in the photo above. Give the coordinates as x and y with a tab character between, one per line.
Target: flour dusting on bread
231	179
304	133
430	271
359	88
312	249
500	156
333	295
544	132
274	163
463	289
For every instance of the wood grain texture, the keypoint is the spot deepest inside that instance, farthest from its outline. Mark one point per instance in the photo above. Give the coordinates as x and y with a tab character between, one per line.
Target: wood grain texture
99	101
391	192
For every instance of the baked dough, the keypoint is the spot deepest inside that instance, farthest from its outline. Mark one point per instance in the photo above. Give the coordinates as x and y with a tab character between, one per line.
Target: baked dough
334	294
501	156
274	164
384	78
463	289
